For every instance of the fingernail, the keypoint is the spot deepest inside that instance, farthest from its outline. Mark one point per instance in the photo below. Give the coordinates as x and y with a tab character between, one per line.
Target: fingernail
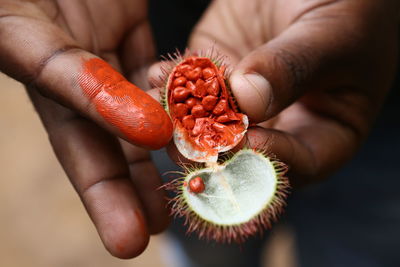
253	94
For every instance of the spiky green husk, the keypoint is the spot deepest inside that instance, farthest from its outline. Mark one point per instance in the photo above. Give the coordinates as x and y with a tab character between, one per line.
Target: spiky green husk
183	204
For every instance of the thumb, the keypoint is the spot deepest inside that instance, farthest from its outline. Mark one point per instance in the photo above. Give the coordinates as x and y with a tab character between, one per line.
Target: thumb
38	53
279	72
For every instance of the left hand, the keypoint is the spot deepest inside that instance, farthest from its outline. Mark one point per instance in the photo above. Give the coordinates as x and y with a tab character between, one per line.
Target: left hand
313	74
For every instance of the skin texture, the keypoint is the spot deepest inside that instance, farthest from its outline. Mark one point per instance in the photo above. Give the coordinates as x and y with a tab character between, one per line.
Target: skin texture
312	74
45	44
133	112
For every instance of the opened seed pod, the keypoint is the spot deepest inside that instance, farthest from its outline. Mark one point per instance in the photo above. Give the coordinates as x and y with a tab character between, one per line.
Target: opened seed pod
225	200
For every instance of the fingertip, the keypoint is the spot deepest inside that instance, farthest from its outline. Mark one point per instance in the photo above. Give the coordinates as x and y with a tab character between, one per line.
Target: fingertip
160	226
126	238
155	74
155	93
253	94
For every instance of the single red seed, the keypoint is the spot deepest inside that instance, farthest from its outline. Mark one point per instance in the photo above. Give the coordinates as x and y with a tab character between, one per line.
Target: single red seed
188	122
201	62
180	94
190	85
180	81
208	73
200	90
198	111
184	68
194	74
209	102
181	110
223	118
196	185
212	87
221	107
191	102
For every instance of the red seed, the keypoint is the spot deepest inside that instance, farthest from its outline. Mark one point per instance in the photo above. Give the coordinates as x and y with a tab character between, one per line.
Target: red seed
223	118
201	62
181	110
208	73
180	94
221	107
198	111
191	101
188	122
196	185
190	85
184	68
209	102
194	74
200	90
180	81
212	87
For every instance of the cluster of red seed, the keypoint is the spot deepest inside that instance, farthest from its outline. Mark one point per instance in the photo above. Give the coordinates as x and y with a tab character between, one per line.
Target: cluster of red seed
196	93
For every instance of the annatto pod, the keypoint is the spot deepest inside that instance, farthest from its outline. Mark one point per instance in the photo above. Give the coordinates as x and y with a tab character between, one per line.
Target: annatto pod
223	198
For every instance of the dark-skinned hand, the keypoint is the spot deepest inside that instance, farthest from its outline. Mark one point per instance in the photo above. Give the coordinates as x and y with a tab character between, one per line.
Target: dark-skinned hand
312	74
42	44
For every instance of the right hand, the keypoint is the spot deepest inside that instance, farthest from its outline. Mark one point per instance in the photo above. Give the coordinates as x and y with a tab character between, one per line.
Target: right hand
43	44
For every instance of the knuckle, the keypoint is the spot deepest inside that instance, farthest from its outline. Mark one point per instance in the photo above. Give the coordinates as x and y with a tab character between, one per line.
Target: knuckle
295	64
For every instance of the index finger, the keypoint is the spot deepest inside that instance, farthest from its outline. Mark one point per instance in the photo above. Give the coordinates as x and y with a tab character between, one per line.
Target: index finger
45	57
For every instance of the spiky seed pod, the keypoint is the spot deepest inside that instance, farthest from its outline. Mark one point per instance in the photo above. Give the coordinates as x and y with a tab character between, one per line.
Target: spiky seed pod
242	196
225	200
205	116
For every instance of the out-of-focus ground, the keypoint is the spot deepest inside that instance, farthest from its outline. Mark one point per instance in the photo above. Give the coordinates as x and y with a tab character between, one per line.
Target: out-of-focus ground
42	222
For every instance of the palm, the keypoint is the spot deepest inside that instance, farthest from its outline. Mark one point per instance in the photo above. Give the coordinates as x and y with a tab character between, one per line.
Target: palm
331	106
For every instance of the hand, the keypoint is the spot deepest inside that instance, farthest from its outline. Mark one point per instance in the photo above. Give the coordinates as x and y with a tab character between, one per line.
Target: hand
44	44
313	74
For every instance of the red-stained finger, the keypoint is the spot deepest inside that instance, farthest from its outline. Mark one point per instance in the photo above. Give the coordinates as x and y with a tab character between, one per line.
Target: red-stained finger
95	164
46	58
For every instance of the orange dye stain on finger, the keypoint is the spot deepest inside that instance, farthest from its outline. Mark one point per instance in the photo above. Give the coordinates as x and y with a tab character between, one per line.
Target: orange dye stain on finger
139	117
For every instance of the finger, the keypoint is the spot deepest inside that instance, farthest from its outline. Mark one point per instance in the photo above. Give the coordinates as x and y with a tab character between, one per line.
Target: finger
137	54
147	181
94	163
304	57
155	75
44	57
